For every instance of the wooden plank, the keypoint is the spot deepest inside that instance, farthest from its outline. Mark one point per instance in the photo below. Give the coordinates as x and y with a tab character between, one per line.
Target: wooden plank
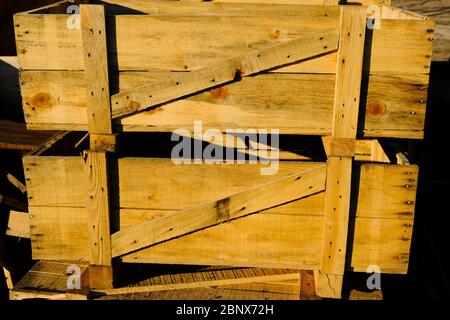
337	208
202	284
339	164
95	57
400	46
262	240
349	72
98	208
179	85
16	182
283	190
18	224
13	203
48	280
328	285
391	253
15	136
60	181
387	192
307	286
395	104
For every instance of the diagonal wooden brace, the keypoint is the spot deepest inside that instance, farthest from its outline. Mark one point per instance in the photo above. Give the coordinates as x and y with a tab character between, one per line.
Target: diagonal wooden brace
182	84
340	145
261	197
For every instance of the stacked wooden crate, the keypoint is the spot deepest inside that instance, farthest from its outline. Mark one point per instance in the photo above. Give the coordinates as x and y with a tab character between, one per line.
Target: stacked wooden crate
155	67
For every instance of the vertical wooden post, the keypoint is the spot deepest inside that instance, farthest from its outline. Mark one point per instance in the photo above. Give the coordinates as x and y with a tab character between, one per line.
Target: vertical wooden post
96	160
329	278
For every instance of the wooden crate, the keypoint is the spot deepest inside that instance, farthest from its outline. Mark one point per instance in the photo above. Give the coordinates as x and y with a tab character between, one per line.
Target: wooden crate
331	87
189	36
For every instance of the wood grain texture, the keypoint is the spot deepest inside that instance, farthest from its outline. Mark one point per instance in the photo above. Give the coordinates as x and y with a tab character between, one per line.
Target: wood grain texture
400	46
388	191
271	194
349	72
18	224
395	104
95	58
202	284
336	217
98	208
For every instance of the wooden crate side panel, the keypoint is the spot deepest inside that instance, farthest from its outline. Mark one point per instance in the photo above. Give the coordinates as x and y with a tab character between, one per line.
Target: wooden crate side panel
384	243
61	182
399	46
53	229
388	191
395	104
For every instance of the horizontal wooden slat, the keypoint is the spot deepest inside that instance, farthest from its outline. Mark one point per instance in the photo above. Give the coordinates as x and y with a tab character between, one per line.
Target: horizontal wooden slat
395	103
381	242
190	42
263	240
18	224
59	181
387	191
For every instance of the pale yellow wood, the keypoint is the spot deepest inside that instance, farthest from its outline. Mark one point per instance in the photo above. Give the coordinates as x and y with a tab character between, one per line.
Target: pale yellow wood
182	84
273	193
95	57
48	280
387	192
9	282
328	285
377	153
264	101
203	284
349	72
341	150
400	46
262	240
16	182
391	254
98	207
60	181
336	218
18	224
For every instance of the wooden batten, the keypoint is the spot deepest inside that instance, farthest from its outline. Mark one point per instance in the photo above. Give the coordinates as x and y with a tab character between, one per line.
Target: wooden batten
96	162
329	278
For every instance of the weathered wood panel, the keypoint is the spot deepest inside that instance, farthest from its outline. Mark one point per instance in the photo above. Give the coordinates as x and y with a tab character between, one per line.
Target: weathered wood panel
395	104
192	41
